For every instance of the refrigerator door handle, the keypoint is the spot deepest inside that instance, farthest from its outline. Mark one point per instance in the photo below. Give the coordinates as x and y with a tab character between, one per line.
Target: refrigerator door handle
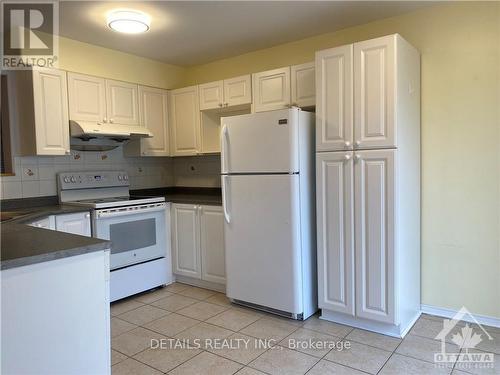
227	216
225	141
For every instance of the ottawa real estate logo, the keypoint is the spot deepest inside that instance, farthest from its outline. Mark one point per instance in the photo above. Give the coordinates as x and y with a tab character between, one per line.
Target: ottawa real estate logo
471	340
29	34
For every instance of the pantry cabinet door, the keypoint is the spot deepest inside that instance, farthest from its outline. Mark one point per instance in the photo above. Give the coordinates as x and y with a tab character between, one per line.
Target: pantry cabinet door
335	205
153	108
213	261
211	95
374	173
50	94
186	240
334	104
374	93
303	85
87	98
238	91
185	121
271	90
122	103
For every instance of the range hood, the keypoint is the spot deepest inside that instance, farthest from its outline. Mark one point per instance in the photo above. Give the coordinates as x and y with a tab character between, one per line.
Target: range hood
91	136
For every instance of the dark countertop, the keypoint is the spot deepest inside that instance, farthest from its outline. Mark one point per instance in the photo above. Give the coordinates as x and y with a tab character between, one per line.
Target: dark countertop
188	195
23	245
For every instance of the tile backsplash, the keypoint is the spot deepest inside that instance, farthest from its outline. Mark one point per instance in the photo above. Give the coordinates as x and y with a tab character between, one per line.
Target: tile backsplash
36	176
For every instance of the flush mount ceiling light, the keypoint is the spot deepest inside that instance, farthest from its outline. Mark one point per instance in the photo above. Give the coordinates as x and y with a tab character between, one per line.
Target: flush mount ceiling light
128	21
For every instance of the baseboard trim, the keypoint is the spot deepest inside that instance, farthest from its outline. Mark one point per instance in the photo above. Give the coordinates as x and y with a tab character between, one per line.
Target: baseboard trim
449	313
200	283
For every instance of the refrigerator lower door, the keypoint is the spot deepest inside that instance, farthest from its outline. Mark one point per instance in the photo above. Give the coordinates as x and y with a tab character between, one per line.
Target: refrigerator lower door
262	240
265	142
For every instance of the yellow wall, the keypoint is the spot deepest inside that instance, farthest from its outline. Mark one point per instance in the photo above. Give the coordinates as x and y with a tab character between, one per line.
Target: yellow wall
460	46
104	62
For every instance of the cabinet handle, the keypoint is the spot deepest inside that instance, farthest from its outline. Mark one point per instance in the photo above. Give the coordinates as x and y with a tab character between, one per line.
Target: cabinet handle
347	144
347	157
358	143
357	157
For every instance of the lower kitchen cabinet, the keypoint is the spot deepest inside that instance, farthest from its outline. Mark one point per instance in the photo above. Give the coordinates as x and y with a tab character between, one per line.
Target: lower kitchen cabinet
368	240
77	223
198	242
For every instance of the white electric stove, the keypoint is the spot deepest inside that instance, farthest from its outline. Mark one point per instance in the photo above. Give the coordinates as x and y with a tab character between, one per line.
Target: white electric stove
136	227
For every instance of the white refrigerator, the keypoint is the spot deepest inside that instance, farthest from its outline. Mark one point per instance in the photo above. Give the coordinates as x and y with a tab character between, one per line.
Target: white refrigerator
268	188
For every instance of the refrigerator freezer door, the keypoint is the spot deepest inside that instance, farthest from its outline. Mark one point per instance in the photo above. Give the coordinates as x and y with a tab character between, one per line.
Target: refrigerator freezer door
262	240
265	142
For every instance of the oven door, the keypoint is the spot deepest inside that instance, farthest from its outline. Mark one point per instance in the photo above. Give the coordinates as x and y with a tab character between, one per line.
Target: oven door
137	233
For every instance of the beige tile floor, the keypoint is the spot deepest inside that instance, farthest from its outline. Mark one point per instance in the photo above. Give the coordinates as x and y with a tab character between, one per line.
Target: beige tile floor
184	312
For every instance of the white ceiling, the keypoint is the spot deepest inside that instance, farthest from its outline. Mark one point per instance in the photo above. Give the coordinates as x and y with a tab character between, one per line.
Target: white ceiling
196	32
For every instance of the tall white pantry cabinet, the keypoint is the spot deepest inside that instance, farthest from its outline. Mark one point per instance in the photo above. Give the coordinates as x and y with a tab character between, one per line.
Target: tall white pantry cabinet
368	184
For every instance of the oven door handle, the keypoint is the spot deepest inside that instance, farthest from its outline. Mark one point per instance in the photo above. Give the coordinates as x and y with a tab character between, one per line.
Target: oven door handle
129	210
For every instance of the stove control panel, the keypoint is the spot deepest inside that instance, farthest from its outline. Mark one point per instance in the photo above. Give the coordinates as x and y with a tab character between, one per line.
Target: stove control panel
88	180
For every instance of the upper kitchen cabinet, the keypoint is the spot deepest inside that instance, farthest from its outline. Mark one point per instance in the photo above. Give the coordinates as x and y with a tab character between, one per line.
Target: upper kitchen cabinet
303	85
87	98
238	91
334	104
382	75
227	93
185	121
271	90
153	112
102	100
122	104
40	105
211	95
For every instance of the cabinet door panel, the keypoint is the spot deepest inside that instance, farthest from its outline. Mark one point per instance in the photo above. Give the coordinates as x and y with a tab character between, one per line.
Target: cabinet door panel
374	228
78	223
271	90
51	112
334	104
153	107
213	264
211	95
374	93
335	231
185	121
87	98
122	103
303	85
186	240
238	90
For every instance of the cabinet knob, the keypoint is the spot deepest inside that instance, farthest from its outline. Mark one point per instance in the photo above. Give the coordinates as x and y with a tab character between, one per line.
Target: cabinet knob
67	152
104	119
220	105
347	143
358	143
226	104
357	157
111	120
87	216
347	157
